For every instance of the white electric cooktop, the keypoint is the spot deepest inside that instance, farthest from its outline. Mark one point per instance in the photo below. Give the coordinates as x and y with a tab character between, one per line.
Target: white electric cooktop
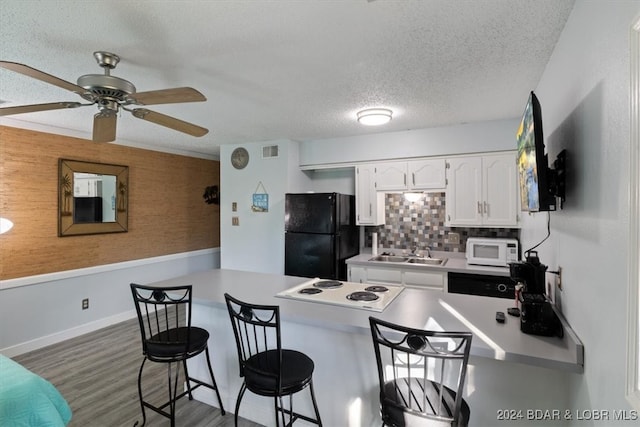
347	294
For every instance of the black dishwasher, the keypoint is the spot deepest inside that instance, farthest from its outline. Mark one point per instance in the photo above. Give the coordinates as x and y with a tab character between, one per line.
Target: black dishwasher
481	284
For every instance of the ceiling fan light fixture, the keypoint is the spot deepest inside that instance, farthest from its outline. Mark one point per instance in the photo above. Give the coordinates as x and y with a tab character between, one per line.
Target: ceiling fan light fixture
374	116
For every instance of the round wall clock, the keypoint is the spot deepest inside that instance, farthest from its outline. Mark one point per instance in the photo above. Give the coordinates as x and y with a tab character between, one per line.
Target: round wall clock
239	158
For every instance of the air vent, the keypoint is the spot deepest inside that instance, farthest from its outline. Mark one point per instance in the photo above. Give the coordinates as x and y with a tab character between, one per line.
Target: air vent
269	151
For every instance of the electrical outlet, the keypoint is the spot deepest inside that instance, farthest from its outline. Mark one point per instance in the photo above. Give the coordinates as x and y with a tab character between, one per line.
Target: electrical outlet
559	279
85	303
453	238
235	220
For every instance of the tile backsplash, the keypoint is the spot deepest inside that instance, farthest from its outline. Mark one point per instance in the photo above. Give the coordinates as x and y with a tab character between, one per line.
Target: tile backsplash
421	224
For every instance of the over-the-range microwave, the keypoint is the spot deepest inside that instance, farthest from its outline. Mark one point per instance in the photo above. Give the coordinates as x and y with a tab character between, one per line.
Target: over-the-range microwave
490	251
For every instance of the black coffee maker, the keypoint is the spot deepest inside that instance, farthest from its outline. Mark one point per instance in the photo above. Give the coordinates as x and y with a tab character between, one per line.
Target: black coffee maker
536	314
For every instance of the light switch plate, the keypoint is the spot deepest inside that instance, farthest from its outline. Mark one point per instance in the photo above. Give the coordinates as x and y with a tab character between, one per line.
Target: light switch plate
234	206
235	220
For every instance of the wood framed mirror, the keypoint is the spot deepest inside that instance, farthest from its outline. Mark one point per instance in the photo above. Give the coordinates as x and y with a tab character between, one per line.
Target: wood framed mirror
92	198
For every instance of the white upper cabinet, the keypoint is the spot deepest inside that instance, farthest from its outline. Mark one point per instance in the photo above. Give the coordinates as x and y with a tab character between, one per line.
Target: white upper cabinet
482	191
463	197
428	174
391	176
369	203
500	185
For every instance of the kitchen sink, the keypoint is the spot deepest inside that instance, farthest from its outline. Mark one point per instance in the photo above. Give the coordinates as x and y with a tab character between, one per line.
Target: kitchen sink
429	261
410	260
389	258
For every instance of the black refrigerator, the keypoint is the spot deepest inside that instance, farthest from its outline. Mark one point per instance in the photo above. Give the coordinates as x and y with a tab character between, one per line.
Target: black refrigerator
320	234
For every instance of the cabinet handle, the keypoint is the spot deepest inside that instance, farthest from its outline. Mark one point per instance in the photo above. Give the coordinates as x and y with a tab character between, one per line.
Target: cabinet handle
413	178
480	208
405	179
486	207
370	211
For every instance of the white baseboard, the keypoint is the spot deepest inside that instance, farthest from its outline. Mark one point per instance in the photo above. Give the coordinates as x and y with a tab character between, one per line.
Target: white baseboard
61	275
45	341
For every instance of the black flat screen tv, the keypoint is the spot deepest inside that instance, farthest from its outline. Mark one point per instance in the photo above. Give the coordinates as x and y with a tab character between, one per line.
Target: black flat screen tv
534	175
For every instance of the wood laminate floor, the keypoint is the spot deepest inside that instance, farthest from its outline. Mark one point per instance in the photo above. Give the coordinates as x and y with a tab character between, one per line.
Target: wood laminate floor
97	374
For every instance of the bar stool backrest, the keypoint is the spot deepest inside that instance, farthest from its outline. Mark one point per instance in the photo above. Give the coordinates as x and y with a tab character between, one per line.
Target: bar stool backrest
164	315
257	330
421	373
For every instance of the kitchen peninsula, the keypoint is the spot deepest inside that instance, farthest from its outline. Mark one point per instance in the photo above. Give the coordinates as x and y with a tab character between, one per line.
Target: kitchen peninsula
508	370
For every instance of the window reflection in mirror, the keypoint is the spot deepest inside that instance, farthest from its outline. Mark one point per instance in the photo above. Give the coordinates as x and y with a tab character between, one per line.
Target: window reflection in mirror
92	198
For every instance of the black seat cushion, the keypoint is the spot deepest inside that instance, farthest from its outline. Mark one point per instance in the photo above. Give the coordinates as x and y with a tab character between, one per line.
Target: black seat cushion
395	399
171	344
260	372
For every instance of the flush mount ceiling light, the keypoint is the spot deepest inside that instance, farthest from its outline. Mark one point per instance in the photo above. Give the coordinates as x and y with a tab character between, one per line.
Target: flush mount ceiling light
374	116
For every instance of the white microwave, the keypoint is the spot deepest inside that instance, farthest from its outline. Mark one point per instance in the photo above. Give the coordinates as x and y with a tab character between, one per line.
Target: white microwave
494	252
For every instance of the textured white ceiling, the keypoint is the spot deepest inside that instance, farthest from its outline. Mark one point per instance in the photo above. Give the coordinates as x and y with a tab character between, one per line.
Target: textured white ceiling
284	69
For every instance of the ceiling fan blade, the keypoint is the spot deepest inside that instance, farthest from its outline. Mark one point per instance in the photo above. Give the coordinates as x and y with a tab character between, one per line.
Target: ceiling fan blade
168	121
47	78
167	96
7	111
104	127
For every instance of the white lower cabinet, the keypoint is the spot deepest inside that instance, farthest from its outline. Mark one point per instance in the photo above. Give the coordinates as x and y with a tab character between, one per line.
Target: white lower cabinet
409	277
356	274
424	279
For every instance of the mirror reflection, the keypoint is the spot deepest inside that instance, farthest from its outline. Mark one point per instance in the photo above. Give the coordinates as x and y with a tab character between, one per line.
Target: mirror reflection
93	198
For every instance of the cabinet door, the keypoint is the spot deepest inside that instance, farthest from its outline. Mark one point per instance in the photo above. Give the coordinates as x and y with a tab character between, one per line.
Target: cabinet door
391	176
426	174
383	276
357	274
500	190
369	205
463	204
424	279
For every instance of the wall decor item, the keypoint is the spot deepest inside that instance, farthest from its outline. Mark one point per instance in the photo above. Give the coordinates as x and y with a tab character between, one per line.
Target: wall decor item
260	200
240	158
211	195
92	198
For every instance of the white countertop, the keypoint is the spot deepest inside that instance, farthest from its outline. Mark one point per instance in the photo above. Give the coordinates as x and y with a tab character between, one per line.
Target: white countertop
456	262
413	307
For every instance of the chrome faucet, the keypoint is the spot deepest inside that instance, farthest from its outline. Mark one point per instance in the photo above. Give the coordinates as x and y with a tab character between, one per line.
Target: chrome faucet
414	252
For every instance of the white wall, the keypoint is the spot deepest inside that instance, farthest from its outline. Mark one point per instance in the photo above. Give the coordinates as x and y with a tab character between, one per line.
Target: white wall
36	311
584	94
498	135
257	243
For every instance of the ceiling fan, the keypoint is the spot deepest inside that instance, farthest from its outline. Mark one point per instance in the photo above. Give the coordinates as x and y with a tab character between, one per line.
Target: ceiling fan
110	94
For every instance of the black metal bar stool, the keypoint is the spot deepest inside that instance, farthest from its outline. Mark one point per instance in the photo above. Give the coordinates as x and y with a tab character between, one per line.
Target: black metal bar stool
267	368
413	367
164	315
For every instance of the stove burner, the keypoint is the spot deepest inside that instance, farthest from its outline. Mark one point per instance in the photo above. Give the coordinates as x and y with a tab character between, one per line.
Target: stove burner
376	288
310	291
362	296
328	284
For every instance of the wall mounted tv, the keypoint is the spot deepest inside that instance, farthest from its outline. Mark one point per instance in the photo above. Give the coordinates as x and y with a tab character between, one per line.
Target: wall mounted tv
540	186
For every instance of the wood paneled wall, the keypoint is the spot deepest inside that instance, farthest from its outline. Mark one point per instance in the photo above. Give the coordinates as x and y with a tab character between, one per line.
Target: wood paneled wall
167	213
